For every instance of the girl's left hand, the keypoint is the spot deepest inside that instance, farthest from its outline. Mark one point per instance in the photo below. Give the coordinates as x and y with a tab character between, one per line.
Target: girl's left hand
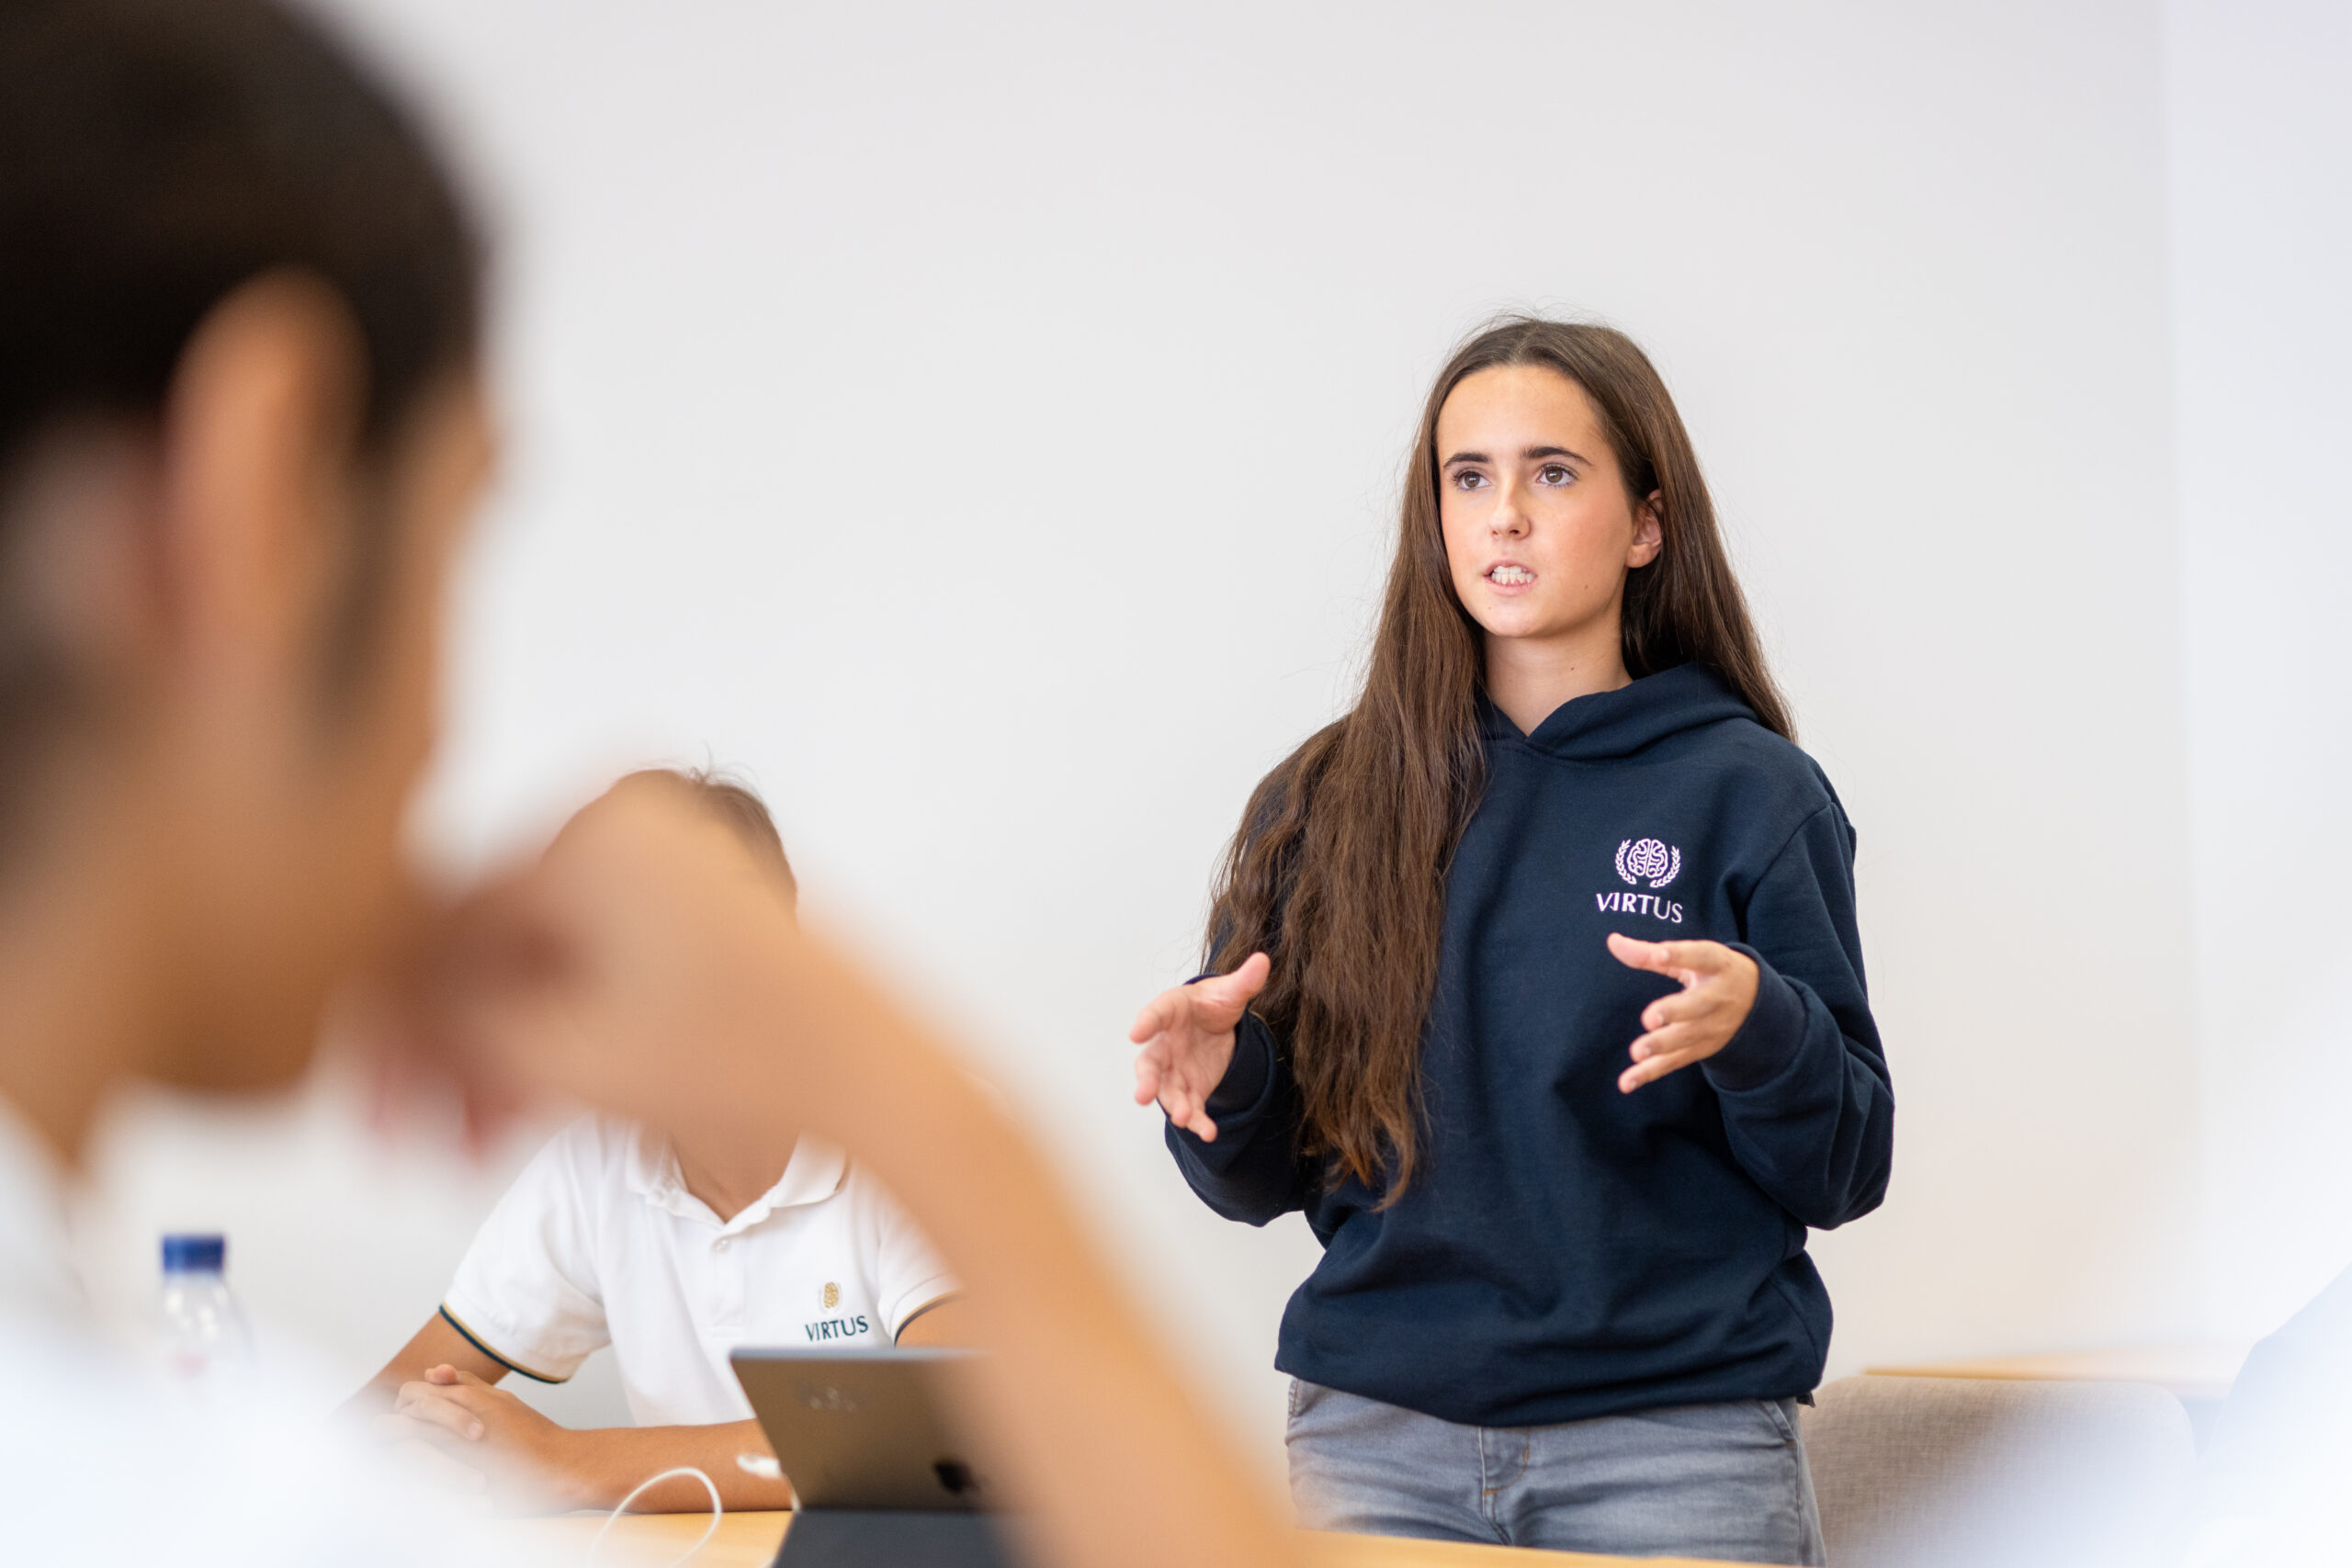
1718	987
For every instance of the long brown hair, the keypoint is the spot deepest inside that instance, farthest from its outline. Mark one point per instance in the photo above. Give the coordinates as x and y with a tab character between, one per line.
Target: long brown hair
1338	869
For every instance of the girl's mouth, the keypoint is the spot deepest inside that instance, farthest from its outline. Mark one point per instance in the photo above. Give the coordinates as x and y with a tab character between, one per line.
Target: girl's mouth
1510	574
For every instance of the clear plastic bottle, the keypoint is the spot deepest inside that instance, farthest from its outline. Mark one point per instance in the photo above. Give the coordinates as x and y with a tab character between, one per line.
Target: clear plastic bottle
205	1342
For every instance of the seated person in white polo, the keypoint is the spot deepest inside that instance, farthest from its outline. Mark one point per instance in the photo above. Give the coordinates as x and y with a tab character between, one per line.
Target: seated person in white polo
673	1251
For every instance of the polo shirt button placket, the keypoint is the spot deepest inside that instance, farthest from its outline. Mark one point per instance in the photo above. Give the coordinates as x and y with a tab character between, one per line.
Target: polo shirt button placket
720	1245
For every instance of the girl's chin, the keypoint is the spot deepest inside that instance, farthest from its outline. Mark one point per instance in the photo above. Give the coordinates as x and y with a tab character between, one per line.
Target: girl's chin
1513	623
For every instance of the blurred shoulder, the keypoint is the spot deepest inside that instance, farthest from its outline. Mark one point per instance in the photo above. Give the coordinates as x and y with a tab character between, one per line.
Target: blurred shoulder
593	1141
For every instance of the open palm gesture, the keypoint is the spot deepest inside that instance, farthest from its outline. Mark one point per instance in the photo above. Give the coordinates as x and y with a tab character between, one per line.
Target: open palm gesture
1186	1034
1718	992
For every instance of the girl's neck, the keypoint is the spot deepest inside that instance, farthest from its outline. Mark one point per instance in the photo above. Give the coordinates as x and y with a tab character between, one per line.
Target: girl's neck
1531	678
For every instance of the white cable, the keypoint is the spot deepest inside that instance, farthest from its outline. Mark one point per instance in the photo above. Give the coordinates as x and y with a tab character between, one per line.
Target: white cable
716	1512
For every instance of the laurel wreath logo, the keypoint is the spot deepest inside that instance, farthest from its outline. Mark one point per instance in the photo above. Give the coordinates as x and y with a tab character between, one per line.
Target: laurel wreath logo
832	1295
1640	859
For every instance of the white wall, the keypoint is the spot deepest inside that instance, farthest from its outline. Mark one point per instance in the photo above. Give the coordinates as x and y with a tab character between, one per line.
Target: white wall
980	425
2261	131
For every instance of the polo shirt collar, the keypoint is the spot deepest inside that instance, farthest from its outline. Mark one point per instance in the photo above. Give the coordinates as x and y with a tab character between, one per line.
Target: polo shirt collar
814	1173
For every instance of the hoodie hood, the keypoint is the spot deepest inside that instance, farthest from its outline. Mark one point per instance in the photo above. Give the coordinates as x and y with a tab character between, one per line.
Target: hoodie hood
1636	717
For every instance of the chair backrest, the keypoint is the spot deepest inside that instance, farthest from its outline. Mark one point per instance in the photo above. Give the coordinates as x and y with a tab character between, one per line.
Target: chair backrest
1962	1472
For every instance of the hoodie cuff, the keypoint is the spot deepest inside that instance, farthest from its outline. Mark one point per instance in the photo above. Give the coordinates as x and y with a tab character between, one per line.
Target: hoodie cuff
1249	1079
1767	1042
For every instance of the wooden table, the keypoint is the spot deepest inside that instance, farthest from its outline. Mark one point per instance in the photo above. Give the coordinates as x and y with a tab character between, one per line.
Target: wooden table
2196	1373
749	1540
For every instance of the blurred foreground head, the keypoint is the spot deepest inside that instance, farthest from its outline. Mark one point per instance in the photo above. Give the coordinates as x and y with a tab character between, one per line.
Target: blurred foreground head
240	432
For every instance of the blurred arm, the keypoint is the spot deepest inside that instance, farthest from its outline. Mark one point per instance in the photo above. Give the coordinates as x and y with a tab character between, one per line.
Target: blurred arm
1106	1439
947	1324
646	966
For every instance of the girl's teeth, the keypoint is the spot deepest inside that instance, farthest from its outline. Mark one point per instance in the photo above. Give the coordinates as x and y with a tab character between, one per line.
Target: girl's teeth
1510	574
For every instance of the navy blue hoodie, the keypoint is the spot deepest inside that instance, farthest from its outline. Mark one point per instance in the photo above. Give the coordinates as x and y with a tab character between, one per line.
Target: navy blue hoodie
1564	1250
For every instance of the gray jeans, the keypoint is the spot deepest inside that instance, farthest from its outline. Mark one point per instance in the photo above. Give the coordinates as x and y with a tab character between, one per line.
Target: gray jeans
1721	1480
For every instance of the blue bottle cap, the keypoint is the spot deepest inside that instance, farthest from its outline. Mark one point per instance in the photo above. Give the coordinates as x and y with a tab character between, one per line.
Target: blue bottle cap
194	1254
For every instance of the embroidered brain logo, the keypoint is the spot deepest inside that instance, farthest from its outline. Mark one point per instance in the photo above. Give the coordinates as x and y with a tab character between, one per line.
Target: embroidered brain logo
1640	860
832	1295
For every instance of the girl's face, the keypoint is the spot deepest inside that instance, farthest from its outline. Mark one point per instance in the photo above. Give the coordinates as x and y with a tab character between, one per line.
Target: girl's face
1539	530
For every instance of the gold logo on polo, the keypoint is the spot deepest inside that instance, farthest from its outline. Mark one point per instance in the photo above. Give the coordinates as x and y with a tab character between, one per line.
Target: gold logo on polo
832	1295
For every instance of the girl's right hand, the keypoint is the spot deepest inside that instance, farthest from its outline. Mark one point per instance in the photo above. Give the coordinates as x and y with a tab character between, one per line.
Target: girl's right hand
1186	1034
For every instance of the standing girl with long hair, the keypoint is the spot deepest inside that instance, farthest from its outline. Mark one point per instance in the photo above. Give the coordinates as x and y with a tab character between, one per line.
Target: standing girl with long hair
1534	980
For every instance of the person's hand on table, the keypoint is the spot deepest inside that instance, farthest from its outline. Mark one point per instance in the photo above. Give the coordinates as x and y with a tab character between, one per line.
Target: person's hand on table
519	1456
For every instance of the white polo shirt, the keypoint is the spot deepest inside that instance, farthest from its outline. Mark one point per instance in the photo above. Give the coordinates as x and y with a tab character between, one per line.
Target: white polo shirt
599	1243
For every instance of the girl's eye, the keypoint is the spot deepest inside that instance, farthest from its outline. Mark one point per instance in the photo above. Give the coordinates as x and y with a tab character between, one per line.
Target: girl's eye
1468	478
1554	474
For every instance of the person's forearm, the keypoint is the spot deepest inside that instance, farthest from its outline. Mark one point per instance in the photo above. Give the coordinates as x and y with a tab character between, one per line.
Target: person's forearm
597	1468
1103	1438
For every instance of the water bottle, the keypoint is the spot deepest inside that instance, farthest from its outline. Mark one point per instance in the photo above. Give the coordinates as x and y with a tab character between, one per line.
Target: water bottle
205	1343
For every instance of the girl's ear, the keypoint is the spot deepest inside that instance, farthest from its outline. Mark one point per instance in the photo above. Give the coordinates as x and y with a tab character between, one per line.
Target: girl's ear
1649	531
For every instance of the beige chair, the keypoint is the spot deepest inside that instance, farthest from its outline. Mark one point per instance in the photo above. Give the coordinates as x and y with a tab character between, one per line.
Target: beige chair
1962	1472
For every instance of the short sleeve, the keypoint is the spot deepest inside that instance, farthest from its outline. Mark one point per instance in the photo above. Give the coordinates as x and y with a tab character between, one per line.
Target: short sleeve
527	1290
908	1274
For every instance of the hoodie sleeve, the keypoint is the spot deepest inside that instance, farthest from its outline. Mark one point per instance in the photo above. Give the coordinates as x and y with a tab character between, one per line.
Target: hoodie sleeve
1253	1172
1806	1102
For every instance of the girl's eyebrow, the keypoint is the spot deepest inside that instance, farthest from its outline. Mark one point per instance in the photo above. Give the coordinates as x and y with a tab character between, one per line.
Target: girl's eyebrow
1527	455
